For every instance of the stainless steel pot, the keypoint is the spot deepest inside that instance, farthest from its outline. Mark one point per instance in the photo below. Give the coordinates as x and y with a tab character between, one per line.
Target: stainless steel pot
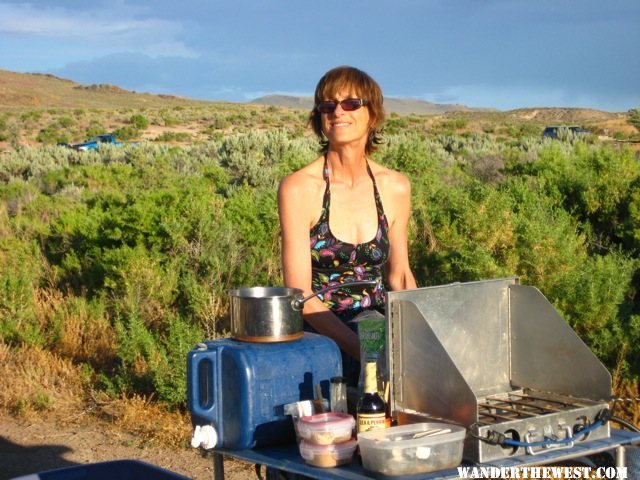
272	314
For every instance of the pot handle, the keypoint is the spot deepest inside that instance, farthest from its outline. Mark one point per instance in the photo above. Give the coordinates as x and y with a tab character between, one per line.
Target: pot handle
297	303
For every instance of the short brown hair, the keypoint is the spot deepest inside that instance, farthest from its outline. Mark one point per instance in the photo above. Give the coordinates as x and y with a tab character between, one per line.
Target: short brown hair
341	78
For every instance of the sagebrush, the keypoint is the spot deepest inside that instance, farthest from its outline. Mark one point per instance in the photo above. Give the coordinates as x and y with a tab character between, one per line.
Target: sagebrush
120	259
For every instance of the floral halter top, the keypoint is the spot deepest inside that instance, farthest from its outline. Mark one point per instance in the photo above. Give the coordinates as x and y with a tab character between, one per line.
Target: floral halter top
336	262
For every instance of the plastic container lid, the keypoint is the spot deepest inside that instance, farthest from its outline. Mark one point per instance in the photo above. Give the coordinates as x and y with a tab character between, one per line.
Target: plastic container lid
328	455
326	428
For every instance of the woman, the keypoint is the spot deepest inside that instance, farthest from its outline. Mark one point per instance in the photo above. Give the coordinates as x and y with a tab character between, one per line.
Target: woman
343	217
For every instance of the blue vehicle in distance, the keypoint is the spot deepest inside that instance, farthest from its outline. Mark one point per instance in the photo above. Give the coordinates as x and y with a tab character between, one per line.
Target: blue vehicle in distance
94	142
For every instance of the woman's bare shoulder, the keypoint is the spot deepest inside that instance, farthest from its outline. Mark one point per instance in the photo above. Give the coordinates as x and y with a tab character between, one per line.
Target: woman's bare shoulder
305	180
390	180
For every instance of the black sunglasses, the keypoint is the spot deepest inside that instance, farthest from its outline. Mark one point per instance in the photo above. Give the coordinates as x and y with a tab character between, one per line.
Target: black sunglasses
348	105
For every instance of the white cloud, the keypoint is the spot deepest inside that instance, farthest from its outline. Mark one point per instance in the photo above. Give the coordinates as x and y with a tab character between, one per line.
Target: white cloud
113	29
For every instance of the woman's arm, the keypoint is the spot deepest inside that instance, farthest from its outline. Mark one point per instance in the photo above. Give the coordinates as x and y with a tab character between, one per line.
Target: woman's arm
399	274
294	209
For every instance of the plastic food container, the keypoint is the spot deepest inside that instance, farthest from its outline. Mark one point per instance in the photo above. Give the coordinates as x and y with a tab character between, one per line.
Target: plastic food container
412	449
326	428
328	455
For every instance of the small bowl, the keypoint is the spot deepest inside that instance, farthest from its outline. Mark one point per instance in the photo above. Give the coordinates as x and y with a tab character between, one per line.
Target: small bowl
326	428
328	455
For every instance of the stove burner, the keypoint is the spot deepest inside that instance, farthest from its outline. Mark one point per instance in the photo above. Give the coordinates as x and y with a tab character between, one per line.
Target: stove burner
526	403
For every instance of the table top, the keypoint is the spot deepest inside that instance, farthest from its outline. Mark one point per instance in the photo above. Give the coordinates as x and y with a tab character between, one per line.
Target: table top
287	458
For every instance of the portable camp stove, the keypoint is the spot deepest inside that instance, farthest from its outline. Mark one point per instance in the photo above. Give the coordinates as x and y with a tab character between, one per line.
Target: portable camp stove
497	358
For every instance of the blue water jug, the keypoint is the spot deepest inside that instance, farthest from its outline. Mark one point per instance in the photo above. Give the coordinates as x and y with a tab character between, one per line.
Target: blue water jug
240	388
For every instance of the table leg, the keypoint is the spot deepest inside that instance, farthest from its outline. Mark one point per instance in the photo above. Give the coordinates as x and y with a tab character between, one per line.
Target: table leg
620	460
218	466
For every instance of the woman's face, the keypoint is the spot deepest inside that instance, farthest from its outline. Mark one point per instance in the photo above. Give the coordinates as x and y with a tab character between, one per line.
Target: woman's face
345	127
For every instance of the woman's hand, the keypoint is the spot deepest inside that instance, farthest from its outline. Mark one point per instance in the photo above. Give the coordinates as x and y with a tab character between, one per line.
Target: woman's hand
326	323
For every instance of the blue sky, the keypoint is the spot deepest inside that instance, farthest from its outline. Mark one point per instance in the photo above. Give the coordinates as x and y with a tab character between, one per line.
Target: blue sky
500	54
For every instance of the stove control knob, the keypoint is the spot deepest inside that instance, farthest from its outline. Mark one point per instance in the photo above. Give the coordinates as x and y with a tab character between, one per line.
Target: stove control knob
204	436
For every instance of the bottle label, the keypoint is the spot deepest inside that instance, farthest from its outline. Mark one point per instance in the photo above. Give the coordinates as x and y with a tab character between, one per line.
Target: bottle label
371	421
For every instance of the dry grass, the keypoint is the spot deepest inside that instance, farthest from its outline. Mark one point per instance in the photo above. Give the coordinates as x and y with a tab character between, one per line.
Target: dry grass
627	393
37	380
40	384
628	405
85	334
149	421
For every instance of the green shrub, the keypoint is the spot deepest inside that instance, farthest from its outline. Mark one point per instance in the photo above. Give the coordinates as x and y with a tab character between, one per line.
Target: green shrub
452	125
66	122
634	117
95	128
599	187
144	241
127	133
170	120
139	122
173	137
21	271
31	116
170	376
220	123
51	135
594	299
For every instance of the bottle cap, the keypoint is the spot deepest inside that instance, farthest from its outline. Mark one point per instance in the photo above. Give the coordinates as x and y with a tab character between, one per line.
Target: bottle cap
370	357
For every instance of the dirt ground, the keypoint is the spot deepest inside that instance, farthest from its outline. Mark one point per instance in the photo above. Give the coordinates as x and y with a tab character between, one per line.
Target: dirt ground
37	445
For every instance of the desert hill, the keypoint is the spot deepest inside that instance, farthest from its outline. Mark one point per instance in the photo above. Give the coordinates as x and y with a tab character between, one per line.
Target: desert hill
49	91
36	90
400	106
20	90
564	115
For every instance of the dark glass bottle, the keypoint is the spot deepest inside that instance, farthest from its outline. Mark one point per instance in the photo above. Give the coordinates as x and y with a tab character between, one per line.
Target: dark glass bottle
371	407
